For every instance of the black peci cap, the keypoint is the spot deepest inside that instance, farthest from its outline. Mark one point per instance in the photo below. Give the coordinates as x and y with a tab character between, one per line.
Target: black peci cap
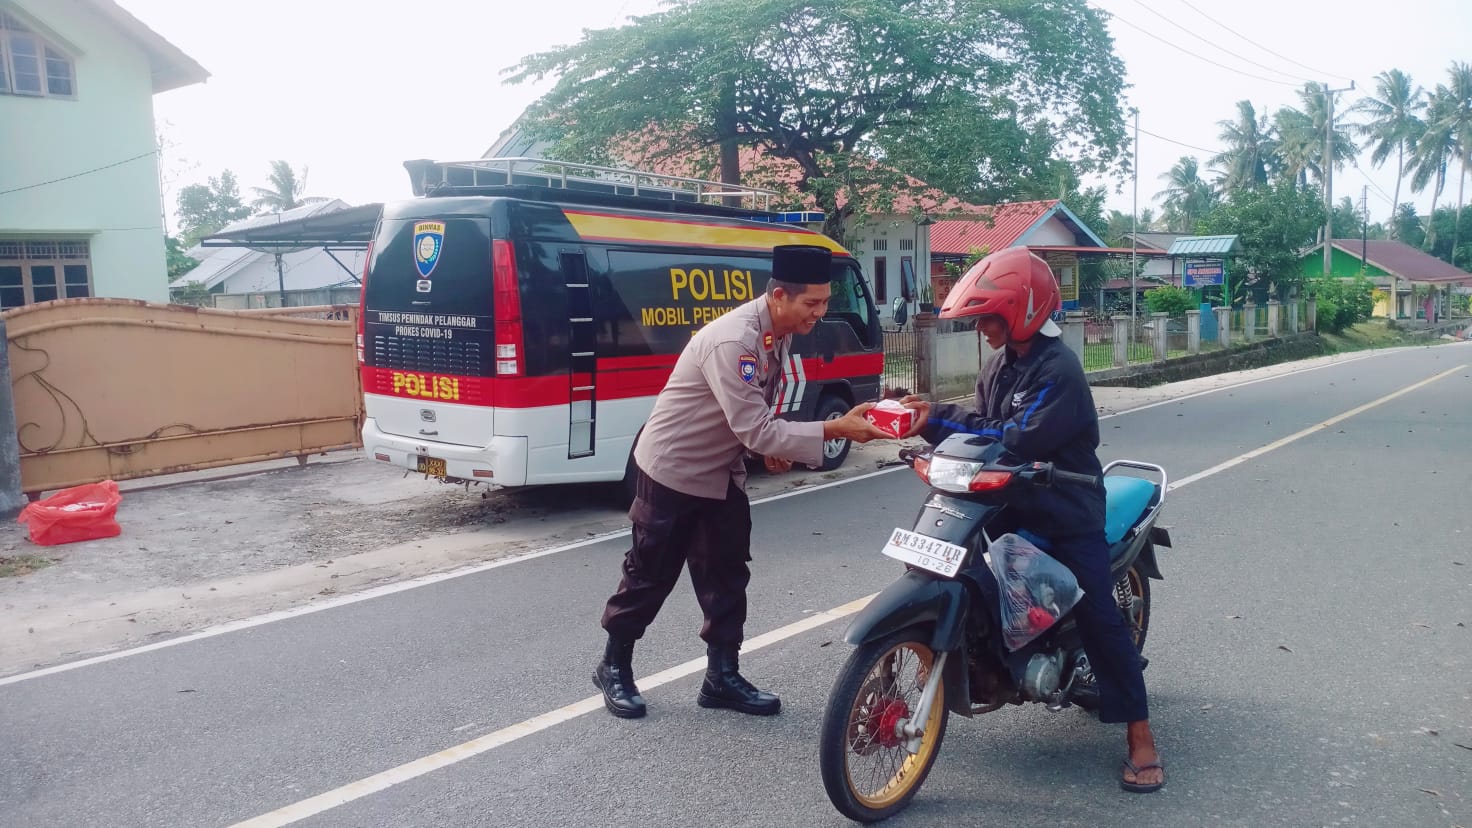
802	264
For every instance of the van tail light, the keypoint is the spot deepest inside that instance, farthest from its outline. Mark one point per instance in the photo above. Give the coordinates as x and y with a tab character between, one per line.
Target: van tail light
363	300
510	352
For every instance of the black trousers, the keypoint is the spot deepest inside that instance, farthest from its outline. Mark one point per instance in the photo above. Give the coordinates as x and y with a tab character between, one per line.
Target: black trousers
671	529
1106	636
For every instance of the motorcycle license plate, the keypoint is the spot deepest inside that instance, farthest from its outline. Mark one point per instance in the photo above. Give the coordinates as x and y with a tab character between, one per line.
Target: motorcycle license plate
432	466
924	552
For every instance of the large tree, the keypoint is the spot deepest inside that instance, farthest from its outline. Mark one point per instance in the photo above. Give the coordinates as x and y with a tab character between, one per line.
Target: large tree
841	89
1274	223
1392	123
205	208
287	190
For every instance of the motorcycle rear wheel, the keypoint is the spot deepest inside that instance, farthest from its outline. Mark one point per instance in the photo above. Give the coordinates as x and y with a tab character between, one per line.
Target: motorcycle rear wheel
868	771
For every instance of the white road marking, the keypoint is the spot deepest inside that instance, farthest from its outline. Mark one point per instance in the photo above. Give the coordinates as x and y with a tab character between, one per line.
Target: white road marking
409	770
426	580
1277	444
475	747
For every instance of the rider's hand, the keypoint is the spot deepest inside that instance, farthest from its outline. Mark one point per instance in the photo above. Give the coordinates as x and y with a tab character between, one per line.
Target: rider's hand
921	413
854	426
776	465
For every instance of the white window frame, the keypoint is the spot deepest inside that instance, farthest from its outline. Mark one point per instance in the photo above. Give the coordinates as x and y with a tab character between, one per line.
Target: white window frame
11	26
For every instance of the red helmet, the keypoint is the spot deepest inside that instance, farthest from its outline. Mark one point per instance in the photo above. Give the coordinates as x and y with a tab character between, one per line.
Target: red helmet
1013	284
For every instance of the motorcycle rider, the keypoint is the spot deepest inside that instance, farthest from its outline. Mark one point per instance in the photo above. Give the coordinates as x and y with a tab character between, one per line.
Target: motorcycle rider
1031	395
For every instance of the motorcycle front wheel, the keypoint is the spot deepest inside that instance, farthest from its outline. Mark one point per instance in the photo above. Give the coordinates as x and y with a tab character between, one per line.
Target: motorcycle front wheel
868	769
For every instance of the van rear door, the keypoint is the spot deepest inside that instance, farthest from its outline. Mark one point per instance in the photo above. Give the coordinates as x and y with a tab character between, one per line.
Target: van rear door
428	349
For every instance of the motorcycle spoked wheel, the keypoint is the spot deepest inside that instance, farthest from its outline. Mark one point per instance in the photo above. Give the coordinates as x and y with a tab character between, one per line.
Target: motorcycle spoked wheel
1132	593
868	771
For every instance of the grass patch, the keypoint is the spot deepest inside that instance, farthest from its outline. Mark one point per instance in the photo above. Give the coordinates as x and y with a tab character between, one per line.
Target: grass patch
13	566
1375	333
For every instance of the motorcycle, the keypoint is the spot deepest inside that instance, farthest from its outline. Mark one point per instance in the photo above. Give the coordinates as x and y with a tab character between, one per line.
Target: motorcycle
931	643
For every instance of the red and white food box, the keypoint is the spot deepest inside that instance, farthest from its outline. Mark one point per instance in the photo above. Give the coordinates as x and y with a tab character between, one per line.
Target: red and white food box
891	417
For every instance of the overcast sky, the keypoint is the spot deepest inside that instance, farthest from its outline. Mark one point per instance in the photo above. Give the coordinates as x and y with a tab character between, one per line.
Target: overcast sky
352	89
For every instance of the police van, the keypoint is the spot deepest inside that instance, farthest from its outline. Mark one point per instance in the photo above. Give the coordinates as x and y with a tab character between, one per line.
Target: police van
519	316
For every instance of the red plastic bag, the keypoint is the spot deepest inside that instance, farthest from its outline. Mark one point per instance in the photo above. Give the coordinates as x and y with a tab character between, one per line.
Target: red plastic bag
81	513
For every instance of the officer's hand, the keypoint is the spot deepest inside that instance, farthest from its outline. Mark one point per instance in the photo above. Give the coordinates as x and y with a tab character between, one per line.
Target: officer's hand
921	409
854	426
776	465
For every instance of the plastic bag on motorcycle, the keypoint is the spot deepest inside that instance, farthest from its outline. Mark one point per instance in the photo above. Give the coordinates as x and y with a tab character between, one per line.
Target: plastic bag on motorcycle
1036	590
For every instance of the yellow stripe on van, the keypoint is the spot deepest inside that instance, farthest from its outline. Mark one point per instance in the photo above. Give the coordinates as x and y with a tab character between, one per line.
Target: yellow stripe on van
683	231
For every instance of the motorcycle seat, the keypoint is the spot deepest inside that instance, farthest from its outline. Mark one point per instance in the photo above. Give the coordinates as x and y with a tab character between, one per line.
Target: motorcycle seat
1125	500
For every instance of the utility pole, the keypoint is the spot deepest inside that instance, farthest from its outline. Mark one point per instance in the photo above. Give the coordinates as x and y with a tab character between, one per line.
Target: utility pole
1135	222
1328	164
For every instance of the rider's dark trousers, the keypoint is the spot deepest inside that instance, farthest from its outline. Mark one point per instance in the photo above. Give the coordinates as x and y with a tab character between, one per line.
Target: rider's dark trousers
1106	636
672	528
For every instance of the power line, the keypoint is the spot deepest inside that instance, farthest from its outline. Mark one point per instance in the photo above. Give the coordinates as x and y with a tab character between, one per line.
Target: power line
1186	51
80	174
1260	46
1181	143
1219	48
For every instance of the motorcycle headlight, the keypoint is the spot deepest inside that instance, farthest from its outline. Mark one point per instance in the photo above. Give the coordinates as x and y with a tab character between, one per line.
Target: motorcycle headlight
961	476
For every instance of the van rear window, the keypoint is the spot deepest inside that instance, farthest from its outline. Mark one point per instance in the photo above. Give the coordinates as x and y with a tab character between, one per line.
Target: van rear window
427	301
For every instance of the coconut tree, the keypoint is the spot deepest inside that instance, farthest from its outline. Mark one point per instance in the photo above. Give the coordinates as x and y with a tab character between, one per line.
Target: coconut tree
286	191
1455	122
1392	123
1250	150
1434	152
1186	197
1343	148
1299	146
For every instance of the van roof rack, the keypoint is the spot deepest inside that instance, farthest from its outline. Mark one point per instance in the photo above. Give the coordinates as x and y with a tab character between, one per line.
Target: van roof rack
427	177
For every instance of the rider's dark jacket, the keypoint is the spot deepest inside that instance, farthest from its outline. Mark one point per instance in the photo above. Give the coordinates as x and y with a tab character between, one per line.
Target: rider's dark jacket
1041	408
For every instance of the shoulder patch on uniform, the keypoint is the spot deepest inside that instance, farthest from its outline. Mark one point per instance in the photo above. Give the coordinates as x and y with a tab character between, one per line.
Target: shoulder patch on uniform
746	365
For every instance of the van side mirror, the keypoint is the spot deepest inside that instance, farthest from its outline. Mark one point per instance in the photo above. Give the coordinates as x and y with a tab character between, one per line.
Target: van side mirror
900	310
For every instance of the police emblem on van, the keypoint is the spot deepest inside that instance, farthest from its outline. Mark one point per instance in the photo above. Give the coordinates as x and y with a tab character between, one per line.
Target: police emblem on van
429	240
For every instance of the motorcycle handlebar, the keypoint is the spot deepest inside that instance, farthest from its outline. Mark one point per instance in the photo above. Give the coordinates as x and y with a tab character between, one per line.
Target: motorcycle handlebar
1074	477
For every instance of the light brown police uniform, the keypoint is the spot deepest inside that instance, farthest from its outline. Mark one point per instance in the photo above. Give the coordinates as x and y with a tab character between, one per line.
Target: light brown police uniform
690	500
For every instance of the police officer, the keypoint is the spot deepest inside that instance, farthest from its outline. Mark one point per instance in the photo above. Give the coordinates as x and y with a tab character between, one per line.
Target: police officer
1033	397
690	504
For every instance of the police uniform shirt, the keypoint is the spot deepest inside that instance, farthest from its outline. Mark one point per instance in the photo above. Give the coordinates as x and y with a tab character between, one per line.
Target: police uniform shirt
718	404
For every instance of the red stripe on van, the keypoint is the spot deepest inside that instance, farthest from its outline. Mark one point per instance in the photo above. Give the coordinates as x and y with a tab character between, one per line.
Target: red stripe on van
619	378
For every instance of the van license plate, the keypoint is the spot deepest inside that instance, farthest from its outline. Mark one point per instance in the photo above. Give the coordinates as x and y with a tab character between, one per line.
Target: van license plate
925	552
432	466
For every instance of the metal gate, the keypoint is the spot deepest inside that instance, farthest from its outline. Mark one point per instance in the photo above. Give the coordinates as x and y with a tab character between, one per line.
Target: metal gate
899	360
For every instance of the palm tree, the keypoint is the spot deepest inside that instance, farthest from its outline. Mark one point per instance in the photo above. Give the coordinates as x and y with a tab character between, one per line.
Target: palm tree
1455	122
1300	146
1434	152
1250	150
1344	149
1186	197
286	190
1393	123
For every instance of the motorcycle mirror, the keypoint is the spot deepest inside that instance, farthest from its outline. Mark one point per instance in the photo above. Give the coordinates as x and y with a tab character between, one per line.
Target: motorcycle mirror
900	310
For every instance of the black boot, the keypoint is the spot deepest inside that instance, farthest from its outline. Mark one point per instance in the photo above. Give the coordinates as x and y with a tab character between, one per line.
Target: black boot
724	686
615	677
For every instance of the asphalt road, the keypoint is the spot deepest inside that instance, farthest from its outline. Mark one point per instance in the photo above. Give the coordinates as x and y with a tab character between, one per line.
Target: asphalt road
1311	662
